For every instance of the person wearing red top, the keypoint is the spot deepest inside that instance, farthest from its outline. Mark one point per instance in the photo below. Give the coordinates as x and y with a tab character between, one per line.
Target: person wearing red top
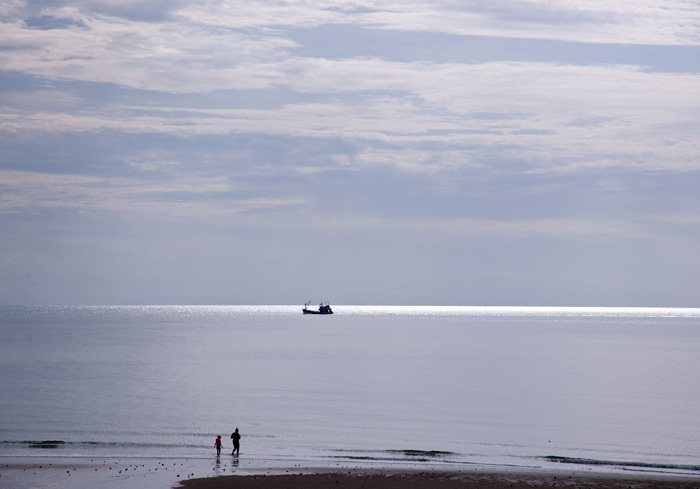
217	444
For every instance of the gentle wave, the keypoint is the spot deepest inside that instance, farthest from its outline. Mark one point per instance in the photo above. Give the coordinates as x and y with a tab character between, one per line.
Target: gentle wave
400	456
57	444
407	452
612	463
422	453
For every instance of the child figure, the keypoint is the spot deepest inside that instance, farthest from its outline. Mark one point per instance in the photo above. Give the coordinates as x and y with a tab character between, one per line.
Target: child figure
217	444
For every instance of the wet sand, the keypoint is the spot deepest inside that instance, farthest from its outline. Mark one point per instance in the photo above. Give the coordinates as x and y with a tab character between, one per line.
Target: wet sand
110	473
228	473
416	479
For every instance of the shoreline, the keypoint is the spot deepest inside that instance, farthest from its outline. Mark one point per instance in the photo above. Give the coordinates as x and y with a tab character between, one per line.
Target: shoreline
230	473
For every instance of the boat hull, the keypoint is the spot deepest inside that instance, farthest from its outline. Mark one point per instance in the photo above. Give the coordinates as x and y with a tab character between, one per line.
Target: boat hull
311	311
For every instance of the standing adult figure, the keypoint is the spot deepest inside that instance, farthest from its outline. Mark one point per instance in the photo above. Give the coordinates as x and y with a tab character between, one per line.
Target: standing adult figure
236	436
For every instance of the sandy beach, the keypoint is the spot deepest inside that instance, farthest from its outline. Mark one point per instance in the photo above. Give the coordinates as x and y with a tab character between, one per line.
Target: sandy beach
106	473
427	479
227	473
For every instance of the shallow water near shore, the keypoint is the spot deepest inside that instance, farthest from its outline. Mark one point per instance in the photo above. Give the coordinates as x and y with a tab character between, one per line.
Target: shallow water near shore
600	388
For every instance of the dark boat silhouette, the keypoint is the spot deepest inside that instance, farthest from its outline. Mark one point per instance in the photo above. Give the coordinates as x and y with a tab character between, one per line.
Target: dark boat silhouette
322	309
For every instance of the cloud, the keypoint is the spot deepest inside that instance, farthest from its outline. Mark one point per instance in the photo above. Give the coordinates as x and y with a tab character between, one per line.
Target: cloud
373	133
597	21
40	100
40	12
210	45
208	198
540	117
621	22
144	55
187	195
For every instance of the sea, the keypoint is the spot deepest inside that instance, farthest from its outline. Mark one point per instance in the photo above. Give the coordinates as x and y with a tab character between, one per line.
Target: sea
601	389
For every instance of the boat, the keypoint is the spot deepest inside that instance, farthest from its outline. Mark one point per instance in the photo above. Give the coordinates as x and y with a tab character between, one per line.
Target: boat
322	309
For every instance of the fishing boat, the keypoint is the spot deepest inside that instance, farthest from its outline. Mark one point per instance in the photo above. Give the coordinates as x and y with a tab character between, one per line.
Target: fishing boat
322	309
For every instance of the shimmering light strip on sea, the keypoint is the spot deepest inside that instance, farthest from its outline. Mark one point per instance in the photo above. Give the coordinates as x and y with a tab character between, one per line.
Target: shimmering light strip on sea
521	311
188	312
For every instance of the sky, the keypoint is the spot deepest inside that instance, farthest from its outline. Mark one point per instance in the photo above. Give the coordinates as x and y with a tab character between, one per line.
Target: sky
442	152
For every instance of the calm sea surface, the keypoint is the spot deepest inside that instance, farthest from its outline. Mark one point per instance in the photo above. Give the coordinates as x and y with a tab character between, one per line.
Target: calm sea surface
600	387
